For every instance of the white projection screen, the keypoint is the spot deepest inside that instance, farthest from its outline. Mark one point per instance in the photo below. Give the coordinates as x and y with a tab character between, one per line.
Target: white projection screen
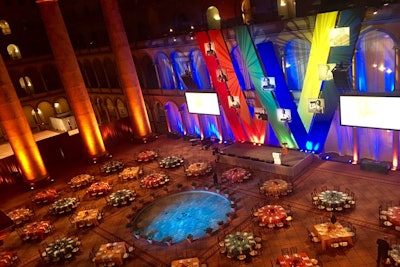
379	112
202	103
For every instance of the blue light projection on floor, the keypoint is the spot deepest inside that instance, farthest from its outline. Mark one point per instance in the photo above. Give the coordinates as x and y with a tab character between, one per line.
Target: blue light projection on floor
181	214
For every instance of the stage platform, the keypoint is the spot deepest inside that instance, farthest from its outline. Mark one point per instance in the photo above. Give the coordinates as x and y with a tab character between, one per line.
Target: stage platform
260	158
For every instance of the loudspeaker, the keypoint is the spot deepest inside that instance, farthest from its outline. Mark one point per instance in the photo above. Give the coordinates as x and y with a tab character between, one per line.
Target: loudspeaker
341	77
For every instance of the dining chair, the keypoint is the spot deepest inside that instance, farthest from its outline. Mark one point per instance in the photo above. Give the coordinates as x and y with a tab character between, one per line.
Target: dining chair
335	245
285	251
293	250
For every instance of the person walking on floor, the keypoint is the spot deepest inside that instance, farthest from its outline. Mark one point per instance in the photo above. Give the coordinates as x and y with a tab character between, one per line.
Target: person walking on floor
215	178
383	249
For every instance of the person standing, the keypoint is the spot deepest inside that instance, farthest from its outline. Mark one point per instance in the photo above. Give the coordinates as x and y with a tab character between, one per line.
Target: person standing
215	178
383	249
333	218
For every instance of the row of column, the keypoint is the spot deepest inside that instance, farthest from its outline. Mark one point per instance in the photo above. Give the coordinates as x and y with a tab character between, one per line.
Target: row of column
13	118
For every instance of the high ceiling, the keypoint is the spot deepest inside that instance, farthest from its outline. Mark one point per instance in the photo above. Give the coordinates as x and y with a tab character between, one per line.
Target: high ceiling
143	19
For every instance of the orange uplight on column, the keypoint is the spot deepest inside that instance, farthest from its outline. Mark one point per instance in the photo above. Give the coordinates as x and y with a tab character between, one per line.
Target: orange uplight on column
18	131
126	66
355	146
395	161
72	79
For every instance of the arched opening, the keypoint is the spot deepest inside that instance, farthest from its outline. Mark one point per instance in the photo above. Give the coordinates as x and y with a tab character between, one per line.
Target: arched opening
112	112
61	106
101	75
166	72
375	62
213	18
122	110
51	77
173	118
14	52
5	28
26	85
147	70
110	69
199	69
181	67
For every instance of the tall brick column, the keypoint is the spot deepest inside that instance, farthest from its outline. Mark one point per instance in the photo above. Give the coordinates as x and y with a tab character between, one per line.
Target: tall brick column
72	79
18	131
126	67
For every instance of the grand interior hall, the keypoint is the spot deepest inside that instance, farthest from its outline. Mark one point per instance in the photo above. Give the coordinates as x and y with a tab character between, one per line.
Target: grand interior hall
199	133
370	188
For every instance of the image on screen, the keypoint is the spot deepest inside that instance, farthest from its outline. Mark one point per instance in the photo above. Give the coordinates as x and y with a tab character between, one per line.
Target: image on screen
268	83
284	114
202	103
370	111
325	71
339	36
316	105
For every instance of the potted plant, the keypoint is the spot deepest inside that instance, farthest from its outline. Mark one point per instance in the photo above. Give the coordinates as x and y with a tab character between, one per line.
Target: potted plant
137	234
168	240
233	207
189	238
208	231
150	237
229	215
232	199
194	185
226	193
221	224
217	188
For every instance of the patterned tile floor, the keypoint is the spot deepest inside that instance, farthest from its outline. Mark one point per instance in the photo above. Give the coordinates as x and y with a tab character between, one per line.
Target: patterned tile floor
371	190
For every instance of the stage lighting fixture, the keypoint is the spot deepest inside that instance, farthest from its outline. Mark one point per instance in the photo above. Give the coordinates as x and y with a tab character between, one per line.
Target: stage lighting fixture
341	77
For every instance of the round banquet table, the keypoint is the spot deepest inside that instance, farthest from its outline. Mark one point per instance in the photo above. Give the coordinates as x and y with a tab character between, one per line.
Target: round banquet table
121	197
81	180
20	215
271	214
66	204
236	175
170	162
198	168
394	255
8	258
112	166
57	250
99	188
239	243
36	230
154	180
393	215
129	173
275	187
45	196
332	198
296	259
147	155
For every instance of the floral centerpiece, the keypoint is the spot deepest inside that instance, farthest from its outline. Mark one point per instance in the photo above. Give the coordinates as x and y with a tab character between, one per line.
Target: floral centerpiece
171	162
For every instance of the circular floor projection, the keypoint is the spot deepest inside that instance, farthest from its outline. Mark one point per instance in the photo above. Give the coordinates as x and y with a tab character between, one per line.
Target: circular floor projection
181	214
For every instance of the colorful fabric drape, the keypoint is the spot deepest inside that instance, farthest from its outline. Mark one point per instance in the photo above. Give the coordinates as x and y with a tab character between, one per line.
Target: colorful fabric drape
221	87
266	98
255	130
309	130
